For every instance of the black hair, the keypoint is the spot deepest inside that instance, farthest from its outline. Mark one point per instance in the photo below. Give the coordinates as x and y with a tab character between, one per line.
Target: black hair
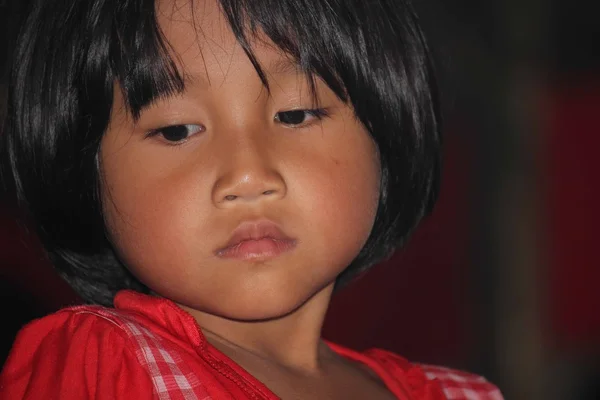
372	54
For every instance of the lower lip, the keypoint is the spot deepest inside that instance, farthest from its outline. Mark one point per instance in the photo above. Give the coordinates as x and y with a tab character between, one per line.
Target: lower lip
258	250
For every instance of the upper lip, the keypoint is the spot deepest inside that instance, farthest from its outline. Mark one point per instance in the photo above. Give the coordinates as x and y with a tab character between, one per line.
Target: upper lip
254	230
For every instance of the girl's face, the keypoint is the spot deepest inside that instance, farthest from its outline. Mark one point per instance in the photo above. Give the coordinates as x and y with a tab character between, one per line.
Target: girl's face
223	199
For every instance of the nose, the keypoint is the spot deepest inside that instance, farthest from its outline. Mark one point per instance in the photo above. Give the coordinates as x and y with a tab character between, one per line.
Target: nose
248	176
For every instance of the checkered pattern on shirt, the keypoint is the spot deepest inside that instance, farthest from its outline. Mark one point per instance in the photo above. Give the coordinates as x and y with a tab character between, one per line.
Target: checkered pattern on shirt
171	378
174	381
458	385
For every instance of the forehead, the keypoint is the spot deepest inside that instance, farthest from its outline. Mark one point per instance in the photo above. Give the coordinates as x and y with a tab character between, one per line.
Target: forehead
204	47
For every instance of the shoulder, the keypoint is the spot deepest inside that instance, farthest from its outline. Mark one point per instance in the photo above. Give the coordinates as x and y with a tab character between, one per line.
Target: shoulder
74	352
92	332
462	385
455	384
65	328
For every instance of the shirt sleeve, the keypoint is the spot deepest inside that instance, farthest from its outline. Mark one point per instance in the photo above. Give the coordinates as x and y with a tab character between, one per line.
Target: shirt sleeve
72	355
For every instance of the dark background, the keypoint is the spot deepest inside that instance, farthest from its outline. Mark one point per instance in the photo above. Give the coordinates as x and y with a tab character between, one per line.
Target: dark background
503	278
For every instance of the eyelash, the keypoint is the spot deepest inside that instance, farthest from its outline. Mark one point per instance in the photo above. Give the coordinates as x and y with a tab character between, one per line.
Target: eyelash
317	113
161	131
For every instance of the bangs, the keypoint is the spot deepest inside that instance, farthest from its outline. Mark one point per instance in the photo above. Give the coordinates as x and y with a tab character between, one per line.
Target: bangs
140	59
319	42
312	39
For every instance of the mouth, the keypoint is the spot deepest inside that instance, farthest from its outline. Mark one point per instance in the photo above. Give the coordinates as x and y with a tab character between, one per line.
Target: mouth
256	241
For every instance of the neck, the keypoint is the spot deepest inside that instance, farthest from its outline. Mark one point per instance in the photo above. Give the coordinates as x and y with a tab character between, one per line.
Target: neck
292	341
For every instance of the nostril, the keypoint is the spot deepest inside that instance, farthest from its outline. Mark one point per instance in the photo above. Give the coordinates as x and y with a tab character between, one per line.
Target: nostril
230	197
268	192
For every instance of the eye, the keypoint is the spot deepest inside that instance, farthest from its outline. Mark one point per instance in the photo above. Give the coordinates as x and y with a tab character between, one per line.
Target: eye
295	118
177	133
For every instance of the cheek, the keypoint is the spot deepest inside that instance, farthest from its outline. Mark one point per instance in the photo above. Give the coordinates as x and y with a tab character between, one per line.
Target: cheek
149	213
343	200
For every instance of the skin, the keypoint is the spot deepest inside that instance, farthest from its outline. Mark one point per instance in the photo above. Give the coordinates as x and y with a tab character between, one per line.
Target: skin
169	207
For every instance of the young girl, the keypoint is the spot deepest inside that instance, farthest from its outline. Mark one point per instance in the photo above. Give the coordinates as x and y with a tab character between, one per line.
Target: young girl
205	173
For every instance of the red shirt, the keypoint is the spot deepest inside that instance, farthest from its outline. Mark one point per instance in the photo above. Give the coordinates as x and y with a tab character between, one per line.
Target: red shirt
148	348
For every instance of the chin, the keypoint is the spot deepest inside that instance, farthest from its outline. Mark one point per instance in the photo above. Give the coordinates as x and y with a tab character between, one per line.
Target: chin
255	306
261	308
253	297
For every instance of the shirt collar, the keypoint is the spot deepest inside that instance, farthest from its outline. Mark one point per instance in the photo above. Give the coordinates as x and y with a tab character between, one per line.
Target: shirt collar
163	314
